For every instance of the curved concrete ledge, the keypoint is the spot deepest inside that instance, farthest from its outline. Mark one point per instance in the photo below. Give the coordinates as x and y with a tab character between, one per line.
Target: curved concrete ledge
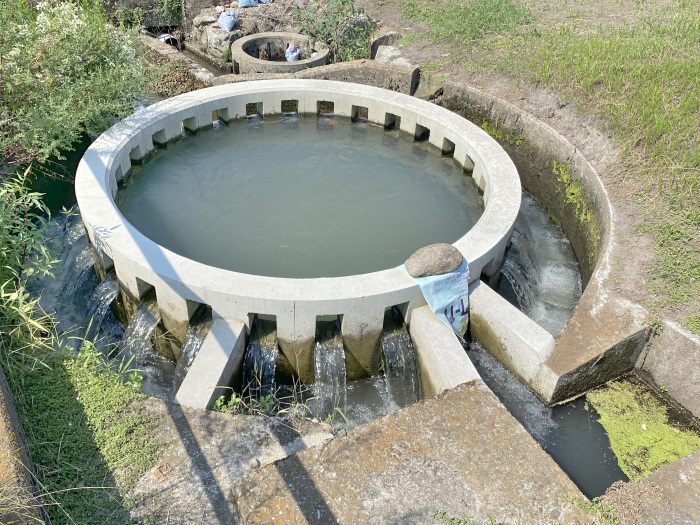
181	284
245	53
605	334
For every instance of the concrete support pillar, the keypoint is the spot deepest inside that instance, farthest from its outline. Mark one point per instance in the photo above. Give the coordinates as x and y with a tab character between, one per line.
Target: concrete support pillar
175	311
361	334
219	360
513	338
132	286
296	336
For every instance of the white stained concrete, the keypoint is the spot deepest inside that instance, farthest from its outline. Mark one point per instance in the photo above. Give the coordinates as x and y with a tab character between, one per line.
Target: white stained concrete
442	361
220	358
517	341
296	303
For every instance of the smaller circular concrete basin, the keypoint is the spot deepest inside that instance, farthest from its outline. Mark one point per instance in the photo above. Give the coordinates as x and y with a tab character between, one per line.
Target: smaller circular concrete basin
264	53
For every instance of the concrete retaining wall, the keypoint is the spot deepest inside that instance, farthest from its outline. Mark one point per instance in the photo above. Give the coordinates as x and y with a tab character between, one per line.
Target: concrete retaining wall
180	283
605	334
442	361
672	358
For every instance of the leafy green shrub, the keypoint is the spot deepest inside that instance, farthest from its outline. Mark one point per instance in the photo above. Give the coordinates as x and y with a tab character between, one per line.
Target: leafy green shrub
171	9
345	30
65	72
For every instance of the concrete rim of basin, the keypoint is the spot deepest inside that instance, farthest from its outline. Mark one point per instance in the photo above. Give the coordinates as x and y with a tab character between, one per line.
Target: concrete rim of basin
182	284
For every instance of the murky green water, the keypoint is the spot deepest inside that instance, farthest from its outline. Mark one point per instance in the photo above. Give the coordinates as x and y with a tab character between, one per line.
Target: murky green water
300	197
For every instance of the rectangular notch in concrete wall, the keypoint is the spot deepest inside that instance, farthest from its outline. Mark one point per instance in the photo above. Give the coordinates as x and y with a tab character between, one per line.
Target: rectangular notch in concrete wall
222	115
359	113
448	148
190	124
421	133
254	110
325	108
160	140
392	121
261	361
469	167
290	108
400	311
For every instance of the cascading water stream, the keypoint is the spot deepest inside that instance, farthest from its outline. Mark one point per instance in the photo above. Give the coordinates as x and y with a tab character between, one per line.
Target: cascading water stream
329	356
569	433
79	272
541	273
138	333
196	333
98	304
260	360
399	356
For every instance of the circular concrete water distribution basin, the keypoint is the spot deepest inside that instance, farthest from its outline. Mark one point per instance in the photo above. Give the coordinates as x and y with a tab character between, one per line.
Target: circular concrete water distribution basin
363	121
264	53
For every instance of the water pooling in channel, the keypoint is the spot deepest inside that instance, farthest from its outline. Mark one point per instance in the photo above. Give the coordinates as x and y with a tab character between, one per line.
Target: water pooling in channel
301	197
569	433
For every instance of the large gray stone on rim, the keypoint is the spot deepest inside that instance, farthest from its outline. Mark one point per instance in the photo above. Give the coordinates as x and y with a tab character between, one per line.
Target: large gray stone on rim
435	259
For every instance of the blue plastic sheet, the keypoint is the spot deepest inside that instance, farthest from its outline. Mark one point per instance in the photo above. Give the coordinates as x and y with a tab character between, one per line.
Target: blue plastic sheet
448	296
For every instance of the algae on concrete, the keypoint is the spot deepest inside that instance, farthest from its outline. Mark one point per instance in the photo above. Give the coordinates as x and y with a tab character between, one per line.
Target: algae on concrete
639	429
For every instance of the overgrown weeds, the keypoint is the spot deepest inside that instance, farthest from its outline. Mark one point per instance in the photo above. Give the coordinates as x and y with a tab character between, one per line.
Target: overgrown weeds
85	432
345	30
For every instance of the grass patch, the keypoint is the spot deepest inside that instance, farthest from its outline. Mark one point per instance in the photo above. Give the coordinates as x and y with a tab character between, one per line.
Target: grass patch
601	514
644	81
638	426
86	435
465	20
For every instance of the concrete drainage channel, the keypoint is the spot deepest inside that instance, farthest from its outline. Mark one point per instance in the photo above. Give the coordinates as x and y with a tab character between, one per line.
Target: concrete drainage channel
556	369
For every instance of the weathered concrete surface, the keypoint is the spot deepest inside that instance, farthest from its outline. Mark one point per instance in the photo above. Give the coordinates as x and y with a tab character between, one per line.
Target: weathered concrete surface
442	361
16	485
207	451
233	78
370	73
435	259
387	54
673	360
460	452
550	167
601	341
511	336
218	361
667	496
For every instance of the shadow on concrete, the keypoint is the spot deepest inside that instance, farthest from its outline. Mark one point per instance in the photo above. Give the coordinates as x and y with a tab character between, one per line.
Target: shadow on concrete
310	501
218	500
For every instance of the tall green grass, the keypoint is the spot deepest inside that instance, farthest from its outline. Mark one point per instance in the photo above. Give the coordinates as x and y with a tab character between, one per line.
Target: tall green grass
464	21
645	82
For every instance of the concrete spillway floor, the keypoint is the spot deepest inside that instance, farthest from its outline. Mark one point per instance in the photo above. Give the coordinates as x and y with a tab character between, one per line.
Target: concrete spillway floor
460	452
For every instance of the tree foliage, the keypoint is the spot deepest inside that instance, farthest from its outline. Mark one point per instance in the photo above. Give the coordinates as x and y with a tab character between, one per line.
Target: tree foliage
65	71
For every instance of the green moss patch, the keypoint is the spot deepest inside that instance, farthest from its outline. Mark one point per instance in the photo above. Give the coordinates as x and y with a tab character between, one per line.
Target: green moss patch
638	426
